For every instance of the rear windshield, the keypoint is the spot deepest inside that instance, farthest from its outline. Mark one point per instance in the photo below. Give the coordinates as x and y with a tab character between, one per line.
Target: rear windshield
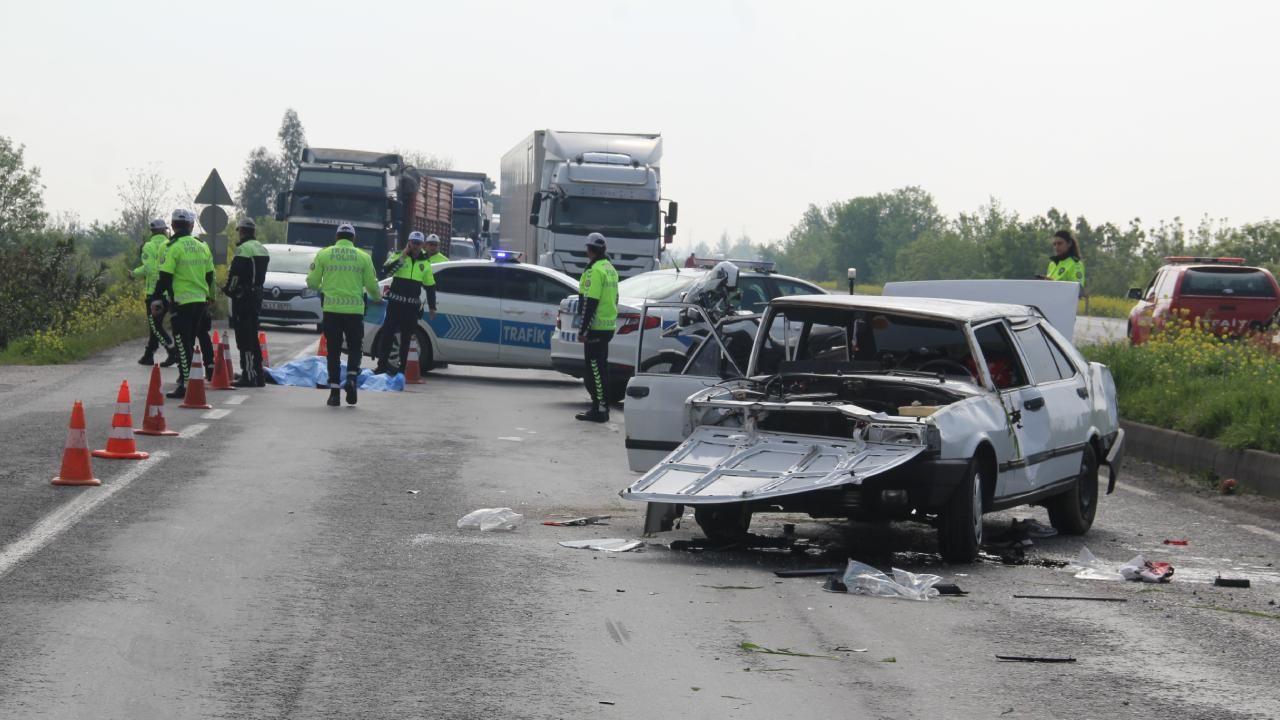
656	286
1227	282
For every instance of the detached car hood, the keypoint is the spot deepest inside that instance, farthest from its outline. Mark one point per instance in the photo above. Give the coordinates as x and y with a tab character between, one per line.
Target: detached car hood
720	465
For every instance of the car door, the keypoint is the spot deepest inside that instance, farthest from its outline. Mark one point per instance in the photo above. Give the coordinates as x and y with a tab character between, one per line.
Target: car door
468	322
755	292
530	302
1064	401
1026	429
656	419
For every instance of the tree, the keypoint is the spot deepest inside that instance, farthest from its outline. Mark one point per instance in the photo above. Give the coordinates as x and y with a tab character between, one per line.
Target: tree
260	183
21	193
292	141
424	160
142	198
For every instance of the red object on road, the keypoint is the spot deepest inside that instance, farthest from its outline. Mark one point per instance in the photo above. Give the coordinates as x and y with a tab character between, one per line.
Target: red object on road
153	422
195	397
75	454
413	366
221	379
120	444
1176	542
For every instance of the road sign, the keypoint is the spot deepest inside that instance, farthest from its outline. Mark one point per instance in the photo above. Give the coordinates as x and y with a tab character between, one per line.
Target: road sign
213	219
213	193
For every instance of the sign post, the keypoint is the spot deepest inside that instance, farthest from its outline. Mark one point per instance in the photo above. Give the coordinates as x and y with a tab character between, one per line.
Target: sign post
213	218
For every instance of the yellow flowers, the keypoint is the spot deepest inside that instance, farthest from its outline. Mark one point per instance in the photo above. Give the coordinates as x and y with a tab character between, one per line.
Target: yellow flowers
91	326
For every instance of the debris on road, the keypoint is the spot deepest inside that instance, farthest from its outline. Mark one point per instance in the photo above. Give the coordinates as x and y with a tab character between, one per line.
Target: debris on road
604	544
573	522
815	572
835	584
1070	597
949	589
1167	541
1089	567
734	587
752	647
862	579
489	519
1020	658
412	492
1024	529
890	659
313	372
843	648
1231	582
1228	486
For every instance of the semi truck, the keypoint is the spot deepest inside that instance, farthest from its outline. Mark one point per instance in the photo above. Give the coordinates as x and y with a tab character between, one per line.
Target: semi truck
377	193
557	187
472	204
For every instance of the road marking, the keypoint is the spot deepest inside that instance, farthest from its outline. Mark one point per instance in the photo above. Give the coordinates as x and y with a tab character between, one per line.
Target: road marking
194	430
236	399
1261	531
64	517
1136	490
217	414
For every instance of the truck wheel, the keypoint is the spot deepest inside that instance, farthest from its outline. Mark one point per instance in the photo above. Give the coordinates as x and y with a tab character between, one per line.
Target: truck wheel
960	527
1072	512
723	524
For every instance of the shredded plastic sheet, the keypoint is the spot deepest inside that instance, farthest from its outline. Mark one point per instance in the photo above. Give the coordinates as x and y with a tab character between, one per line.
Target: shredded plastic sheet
863	579
605	544
1089	567
489	519
313	371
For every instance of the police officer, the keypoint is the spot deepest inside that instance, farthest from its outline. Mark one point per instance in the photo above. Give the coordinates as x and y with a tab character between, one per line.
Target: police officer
598	300
245	278
186	284
152	256
410	272
343	273
433	250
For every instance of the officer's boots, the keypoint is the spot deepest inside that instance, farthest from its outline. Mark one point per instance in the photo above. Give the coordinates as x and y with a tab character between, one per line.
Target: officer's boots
177	393
170	357
352	378
595	414
335	397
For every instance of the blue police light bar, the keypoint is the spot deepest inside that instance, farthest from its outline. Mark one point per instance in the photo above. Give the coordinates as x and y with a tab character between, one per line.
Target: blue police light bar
506	256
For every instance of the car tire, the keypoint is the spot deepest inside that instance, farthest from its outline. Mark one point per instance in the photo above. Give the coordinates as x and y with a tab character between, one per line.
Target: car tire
1072	512
723	524
960	525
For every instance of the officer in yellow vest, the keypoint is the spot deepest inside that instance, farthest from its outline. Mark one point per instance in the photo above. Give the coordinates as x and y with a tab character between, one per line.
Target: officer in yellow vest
186	284
152	255
343	273
1066	263
433	253
598	303
410	273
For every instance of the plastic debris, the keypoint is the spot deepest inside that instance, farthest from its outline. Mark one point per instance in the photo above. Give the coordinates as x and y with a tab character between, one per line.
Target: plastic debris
752	647
489	519
1231	582
1147	571
1089	567
862	579
604	544
1021	658
815	572
592	520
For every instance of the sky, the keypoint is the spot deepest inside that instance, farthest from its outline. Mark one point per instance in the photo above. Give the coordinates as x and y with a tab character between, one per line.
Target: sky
1112	110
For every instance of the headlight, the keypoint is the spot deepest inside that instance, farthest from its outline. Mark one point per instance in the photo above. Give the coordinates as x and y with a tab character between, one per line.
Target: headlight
310	293
897	435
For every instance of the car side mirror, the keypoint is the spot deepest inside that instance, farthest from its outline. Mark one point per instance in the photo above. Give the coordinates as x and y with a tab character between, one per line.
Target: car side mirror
673	212
669	235
1135	293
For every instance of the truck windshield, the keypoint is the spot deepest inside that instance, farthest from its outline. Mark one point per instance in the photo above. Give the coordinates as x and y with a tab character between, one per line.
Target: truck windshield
466	225
340	207
617	218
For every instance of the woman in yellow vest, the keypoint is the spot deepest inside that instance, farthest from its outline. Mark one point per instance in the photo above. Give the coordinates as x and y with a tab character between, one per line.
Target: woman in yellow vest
1066	263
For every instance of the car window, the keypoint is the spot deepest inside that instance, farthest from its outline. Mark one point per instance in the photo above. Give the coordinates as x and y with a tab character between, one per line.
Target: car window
481	280
1040	361
705	361
755	295
997	351
1065	368
1165	284
657	285
1227	282
530	286
793	287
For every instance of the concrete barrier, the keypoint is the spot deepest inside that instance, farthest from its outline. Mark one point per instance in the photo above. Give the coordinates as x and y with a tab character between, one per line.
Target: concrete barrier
1254	470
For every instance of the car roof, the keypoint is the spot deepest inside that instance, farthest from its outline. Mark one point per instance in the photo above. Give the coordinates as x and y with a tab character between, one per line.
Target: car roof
549	272
281	247
962	310
699	272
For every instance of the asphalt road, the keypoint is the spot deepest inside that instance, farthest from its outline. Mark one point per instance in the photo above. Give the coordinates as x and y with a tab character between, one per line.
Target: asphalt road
283	559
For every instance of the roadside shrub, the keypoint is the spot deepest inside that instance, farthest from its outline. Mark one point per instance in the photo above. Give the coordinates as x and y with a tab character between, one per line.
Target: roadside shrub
44	280
1106	306
93	324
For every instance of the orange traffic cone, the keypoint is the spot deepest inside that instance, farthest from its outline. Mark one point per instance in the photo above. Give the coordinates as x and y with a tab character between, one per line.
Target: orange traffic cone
221	379
120	444
75	455
266	356
153	419
324	346
195	384
413	366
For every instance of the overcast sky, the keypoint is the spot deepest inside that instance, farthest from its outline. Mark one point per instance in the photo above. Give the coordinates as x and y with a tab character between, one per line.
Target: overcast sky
1113	110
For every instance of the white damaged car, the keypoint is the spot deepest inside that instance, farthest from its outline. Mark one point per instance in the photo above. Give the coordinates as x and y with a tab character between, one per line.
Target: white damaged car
893	408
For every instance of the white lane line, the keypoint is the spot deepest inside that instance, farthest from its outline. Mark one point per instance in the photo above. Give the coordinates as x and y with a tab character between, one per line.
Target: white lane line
236	399
216	414
193	431
1135	490
1261	531
64	517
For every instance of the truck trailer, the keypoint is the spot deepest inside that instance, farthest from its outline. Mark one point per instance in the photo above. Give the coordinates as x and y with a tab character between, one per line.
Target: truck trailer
377	193
472	204
557	187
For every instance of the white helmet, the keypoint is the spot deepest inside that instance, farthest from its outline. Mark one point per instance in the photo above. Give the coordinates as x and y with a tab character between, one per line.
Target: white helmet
416	236
183	215
346	228
433	238
159	225
246	222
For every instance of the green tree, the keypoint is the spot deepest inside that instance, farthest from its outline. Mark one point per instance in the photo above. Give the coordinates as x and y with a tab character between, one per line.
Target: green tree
293	139
260	184
21	194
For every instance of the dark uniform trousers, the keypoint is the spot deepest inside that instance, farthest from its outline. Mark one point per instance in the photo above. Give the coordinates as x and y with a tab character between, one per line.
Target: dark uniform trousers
191	323
244	316
340	328
595	350
401	320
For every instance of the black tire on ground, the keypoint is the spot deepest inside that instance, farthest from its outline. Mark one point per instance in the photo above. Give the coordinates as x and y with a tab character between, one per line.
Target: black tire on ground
1072	512
723	524
960	526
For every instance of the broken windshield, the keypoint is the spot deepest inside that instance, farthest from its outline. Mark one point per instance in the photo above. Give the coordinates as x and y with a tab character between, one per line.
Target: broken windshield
853	340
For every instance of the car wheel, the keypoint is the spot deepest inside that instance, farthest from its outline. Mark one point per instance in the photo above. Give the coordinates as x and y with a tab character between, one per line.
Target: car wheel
960	527
1072	512
723	524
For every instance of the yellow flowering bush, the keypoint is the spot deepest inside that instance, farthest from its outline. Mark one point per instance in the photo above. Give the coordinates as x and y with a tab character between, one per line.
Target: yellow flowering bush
1187	378
1106	306
91	325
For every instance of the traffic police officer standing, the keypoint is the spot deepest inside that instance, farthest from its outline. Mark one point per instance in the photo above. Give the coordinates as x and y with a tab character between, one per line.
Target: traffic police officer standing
343	274
245	278
410	272
186	279
598	298
433	250
152	256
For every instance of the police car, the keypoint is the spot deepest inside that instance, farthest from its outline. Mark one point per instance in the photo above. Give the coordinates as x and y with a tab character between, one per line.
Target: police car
496	312
757	284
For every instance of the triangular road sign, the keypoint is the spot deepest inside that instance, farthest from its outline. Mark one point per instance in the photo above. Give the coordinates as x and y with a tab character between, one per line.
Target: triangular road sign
214	192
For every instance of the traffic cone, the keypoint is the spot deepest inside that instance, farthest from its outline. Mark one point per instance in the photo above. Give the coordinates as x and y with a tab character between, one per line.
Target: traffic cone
221	379
324	346
266	356
120	444
75	455
413	366
195	384
153	419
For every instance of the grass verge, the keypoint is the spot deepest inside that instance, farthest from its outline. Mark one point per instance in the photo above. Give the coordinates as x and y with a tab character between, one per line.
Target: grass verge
90	327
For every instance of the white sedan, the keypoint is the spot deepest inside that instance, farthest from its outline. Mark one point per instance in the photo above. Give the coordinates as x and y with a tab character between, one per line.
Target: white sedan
286	299
487	313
